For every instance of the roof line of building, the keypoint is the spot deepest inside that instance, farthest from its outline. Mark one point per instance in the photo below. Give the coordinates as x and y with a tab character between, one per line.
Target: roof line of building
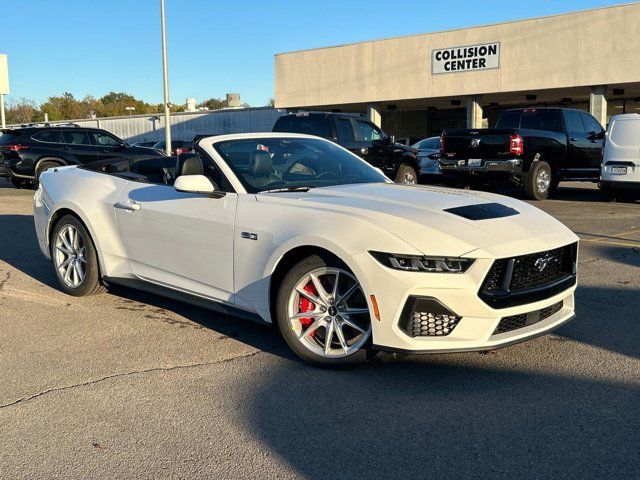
575	12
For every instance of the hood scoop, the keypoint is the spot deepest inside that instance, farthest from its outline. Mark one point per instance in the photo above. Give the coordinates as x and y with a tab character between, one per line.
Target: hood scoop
483	211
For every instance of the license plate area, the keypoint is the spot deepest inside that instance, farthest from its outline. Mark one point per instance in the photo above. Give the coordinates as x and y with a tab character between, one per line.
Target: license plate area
618	170
474	162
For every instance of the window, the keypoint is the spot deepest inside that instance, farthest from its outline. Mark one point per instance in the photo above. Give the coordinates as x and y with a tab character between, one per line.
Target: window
541	119
509	119
368	132
590	123
75	137
428	144
105	140
574	122
318	125
282	163
625	133
50	136
345	130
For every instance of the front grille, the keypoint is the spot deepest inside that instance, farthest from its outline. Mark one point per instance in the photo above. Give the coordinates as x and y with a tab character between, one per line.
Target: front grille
426	324
514	322
515	277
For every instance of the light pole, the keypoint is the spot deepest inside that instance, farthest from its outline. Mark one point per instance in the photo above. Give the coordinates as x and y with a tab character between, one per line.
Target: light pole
165	82
130	110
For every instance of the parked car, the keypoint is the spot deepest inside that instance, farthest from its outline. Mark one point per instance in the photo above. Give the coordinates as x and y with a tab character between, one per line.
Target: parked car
398	162
535	147
178	147
144	144
429	155
297	231
26	152
621	156
408	141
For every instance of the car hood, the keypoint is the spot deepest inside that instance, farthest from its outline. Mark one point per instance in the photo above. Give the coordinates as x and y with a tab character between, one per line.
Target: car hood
417	215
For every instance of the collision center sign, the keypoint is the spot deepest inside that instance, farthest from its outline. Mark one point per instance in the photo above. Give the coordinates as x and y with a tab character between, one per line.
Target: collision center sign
464	59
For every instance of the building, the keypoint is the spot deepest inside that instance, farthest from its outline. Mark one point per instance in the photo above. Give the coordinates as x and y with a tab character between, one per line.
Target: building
418	85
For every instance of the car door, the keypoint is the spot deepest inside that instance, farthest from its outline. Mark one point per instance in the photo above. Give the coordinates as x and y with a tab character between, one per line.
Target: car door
76	142
577	160
595	136
180	240
370	141
107	145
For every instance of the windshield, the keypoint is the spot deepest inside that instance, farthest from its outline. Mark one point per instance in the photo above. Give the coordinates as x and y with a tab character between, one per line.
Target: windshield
283	163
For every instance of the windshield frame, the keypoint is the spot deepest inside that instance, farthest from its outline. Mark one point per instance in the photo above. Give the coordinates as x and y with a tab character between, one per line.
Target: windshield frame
285	186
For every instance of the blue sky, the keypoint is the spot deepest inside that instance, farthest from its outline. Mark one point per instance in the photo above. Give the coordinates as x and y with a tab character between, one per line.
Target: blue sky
93	47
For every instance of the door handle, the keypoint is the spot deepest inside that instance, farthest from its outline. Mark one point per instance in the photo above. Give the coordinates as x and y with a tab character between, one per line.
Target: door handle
573	139
128	205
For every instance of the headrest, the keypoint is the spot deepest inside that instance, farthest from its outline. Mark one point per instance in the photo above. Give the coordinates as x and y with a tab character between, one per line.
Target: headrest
189	164
261	163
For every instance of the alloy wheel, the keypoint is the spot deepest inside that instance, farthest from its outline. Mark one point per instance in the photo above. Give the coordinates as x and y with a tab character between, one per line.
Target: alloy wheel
328	312
69	256
543	181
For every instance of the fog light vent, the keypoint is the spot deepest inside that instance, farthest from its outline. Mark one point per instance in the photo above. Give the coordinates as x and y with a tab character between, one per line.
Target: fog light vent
427	317
424	324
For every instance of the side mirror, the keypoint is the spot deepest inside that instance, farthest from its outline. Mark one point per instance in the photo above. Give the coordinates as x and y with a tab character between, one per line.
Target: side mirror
392	139
194	184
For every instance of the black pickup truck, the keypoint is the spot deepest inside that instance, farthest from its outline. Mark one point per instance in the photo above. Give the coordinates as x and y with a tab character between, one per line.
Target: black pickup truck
399	162
534	147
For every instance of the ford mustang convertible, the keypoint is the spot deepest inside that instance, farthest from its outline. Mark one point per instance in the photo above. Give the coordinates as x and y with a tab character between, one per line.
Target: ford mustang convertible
296	231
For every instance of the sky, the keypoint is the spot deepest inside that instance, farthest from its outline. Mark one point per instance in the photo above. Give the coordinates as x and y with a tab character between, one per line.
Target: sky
214	47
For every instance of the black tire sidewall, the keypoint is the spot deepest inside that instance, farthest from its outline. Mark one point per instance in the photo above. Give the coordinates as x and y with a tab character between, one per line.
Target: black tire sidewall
91	282
288	283
42	166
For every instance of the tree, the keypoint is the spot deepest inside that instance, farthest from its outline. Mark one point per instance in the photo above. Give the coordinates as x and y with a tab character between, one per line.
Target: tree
115	104
271	102
213	104
64	107
22	111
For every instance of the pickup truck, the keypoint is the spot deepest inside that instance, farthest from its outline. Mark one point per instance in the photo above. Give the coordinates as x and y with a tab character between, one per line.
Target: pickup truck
398	162
533	147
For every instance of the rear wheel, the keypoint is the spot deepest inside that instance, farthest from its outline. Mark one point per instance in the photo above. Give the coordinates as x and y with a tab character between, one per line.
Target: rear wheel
538	181
18	182
407	175
323	314
75	261
42	166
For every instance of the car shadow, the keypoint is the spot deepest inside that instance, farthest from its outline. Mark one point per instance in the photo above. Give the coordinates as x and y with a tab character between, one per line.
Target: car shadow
458	416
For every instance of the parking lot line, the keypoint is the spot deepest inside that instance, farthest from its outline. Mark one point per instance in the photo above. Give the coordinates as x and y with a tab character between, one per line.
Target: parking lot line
632	243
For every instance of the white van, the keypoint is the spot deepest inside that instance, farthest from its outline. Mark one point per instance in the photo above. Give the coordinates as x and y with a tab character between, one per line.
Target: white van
621	156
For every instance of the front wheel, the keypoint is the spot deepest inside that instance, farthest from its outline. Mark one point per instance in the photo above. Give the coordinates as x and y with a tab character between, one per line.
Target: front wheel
323	314
538	181
407	175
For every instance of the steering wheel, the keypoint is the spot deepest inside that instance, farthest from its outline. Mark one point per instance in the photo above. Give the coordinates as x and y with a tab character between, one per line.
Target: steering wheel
327	175
305	162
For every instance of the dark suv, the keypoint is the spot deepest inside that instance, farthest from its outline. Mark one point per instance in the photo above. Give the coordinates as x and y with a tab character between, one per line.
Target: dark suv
26	152
398	162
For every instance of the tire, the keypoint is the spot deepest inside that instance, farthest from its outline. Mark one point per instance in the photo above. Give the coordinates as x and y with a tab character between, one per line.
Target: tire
538	181
81	276
42	166
306	336
406	175
18	182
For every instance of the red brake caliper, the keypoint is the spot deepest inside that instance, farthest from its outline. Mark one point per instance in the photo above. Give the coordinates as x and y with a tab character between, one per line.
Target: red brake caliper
305	305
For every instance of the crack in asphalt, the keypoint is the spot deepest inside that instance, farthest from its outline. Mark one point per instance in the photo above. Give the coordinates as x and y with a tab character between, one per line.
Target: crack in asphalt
134	372
6	278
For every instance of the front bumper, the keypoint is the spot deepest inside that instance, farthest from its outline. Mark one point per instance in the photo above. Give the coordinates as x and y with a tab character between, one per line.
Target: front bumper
475	323
512	166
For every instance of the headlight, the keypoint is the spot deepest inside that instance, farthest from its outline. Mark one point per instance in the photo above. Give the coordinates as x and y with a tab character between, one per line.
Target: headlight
417	263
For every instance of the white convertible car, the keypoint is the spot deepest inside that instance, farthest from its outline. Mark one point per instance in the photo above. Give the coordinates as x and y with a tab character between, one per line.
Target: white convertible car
297	231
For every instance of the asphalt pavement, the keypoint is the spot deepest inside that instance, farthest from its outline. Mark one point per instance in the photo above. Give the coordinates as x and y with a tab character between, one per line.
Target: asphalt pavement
132	385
